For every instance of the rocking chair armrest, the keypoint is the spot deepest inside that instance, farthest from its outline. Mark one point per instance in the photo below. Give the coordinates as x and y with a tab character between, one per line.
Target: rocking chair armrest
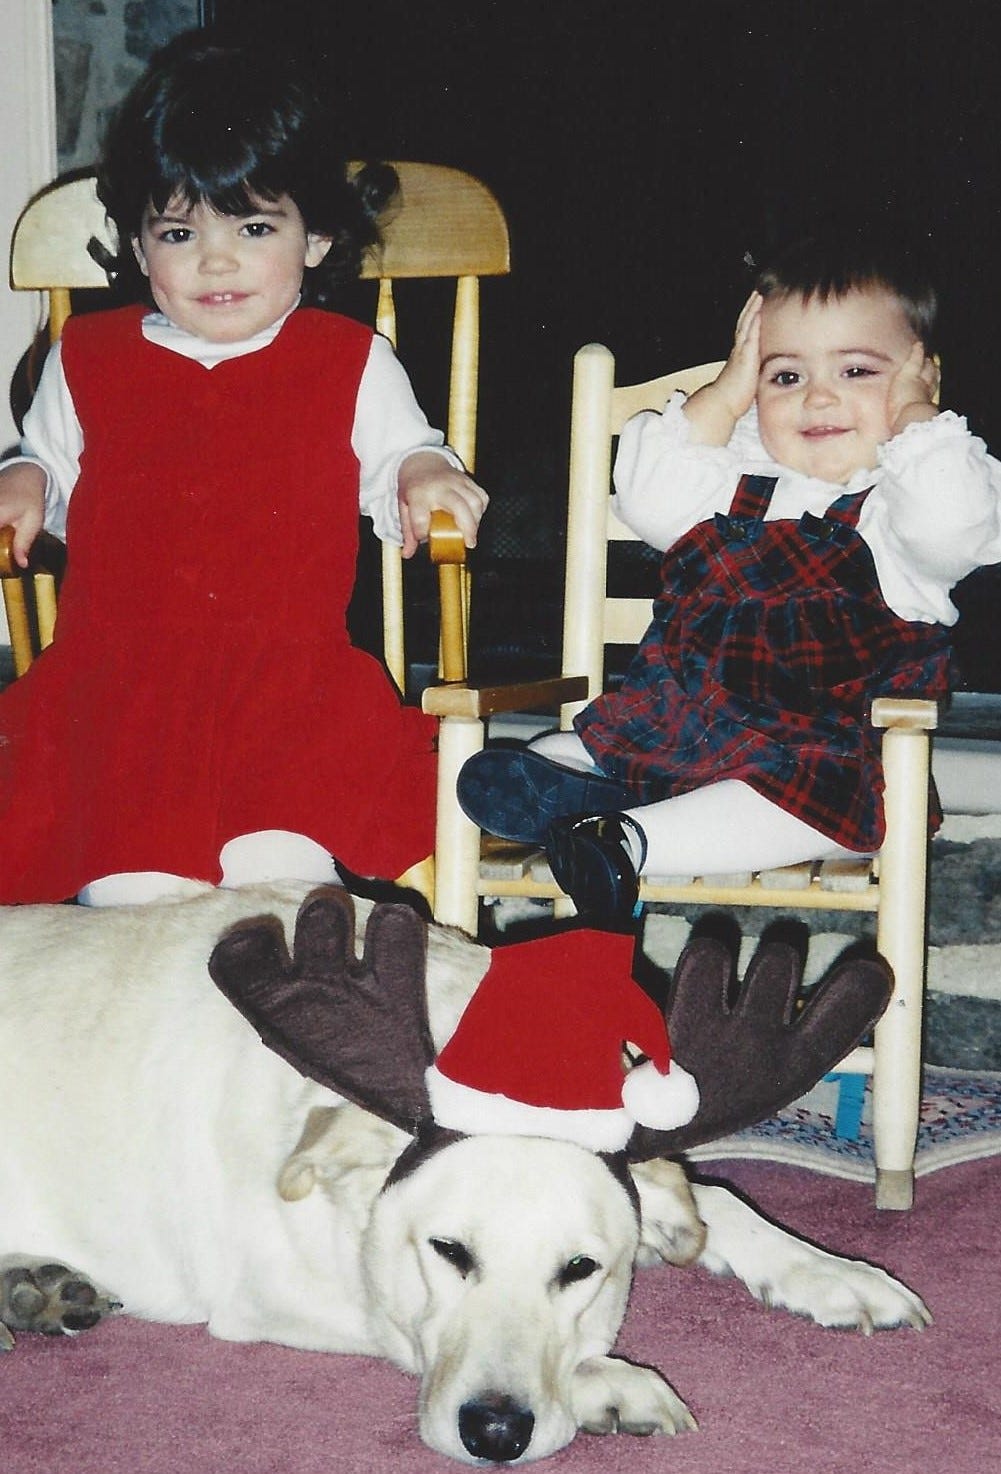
48	555
445	544
905	714
447	551
475	702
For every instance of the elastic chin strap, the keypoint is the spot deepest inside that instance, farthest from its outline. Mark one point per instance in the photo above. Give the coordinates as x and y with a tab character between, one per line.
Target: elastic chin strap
618	1164
429	1141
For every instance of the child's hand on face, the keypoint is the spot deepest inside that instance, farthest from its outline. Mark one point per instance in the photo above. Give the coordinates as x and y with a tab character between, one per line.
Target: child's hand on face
738	381
22	506
714	410
911	396
426	484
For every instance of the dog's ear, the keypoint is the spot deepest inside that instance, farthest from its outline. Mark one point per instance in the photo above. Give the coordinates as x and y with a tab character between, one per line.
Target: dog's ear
360	1027
756	1054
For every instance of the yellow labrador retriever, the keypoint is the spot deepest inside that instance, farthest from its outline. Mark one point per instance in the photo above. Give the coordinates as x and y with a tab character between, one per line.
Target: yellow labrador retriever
155	1156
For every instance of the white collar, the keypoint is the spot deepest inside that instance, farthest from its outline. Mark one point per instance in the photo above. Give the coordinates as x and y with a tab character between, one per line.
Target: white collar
160	330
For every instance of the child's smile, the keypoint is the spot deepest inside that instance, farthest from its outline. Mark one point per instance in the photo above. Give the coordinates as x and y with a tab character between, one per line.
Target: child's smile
825	377
226	277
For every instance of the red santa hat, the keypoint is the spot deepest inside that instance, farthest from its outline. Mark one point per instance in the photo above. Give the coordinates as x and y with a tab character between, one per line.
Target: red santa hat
538	1050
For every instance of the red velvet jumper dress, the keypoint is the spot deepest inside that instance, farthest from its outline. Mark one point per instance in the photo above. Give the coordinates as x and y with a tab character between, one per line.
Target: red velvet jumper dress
202	683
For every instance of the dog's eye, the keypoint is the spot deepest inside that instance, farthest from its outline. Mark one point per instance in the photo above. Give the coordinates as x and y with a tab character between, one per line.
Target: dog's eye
455	1254
580	1267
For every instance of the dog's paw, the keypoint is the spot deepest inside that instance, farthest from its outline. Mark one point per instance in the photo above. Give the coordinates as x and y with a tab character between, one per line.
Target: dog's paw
613	1396
787	1273
48	1297
843	1294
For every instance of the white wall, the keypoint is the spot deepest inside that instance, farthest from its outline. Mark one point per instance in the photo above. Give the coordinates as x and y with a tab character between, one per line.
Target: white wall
27	161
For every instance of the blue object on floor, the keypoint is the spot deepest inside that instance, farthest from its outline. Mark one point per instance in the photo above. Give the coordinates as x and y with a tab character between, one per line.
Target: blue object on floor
851	1097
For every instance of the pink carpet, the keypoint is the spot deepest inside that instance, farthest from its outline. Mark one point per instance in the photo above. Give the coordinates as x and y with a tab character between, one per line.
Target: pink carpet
772	1394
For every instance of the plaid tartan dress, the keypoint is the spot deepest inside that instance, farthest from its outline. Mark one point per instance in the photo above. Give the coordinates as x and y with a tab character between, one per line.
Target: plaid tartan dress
768	643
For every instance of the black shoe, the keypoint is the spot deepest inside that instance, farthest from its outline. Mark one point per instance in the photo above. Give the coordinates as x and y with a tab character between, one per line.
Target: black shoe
590	861
516	793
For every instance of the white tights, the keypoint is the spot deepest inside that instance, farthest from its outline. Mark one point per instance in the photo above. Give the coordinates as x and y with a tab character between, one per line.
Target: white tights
718	830
267	854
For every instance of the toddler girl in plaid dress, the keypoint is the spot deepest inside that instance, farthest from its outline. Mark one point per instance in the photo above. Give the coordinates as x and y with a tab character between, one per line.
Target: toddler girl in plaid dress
815	509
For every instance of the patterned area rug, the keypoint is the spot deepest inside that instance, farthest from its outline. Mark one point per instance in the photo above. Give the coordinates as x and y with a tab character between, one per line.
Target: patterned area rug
960	1121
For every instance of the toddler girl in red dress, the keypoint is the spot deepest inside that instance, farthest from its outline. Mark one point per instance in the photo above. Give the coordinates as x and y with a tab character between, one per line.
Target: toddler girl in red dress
202	715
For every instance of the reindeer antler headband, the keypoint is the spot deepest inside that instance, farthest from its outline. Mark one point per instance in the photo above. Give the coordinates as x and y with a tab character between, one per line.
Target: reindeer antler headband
537	1051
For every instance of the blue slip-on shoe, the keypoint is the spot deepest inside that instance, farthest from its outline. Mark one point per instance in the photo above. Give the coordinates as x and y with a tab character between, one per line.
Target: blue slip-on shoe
591	863
516	794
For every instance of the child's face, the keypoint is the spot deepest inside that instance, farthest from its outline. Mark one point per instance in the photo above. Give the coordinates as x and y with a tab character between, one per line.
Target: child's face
825	376
225	277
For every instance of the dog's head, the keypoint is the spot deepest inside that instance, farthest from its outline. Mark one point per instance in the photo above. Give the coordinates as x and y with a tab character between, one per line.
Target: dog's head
495	1268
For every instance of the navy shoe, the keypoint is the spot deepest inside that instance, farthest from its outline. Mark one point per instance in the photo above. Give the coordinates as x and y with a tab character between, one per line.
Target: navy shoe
516	793
591	862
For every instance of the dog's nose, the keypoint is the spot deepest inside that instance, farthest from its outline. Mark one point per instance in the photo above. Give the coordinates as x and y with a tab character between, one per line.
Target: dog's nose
495	1427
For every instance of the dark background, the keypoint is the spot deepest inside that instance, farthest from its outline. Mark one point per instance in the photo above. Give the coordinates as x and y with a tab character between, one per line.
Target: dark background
642	151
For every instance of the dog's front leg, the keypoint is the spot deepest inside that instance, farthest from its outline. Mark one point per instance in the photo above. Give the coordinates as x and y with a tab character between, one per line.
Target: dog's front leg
781	1270
614	1396
670	1227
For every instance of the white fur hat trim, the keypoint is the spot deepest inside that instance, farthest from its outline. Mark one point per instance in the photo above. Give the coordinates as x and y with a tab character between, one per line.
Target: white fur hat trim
462	1108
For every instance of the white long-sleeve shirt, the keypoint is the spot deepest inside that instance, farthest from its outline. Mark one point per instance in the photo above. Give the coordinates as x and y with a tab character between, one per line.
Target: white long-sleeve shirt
389	424
933	516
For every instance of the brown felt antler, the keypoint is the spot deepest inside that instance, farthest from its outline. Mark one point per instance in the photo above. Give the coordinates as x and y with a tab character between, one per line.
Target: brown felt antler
358	1026
754	1055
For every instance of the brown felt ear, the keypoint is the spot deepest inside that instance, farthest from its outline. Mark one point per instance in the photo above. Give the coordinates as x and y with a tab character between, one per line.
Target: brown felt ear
358	1026
755	1055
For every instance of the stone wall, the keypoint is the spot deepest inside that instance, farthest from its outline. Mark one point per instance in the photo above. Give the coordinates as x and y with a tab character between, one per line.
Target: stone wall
101	46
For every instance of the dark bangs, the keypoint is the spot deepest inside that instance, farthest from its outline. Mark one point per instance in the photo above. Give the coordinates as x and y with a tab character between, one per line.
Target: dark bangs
832	265
209	124
233	134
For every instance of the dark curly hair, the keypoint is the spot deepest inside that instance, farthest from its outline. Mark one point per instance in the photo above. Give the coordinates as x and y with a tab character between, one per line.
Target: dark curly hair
832	263
228	126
